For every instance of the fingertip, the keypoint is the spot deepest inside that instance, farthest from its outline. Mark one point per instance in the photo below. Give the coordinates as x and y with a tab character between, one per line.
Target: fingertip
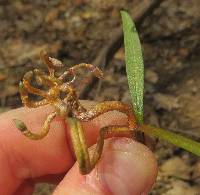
23	158
126	167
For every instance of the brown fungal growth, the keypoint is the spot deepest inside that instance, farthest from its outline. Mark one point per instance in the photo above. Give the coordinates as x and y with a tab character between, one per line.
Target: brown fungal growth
70	109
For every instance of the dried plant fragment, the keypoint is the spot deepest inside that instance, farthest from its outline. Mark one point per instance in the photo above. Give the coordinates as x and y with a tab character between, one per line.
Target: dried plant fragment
70	109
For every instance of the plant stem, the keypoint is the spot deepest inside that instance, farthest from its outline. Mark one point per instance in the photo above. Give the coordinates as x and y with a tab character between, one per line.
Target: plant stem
176	139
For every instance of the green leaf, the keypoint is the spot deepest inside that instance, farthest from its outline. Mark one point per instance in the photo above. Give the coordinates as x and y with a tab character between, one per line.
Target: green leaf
134	65
135	75
176	139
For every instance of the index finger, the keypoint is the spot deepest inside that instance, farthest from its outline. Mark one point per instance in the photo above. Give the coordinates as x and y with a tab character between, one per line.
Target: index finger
22	158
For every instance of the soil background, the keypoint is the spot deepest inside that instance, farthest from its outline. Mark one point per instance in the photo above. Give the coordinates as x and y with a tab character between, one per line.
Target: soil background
76	31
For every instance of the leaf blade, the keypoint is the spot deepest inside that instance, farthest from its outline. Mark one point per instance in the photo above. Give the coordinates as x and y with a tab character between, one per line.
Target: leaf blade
134	65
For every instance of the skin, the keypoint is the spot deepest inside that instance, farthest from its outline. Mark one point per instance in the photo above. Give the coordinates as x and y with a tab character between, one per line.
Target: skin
24	162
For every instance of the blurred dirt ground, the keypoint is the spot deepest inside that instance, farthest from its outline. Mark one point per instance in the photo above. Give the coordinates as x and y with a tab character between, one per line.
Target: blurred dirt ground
76	31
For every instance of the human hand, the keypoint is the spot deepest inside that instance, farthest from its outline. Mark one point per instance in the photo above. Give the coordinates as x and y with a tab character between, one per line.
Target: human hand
126	167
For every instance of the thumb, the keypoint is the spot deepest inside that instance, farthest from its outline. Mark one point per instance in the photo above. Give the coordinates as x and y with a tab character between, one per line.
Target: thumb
126	167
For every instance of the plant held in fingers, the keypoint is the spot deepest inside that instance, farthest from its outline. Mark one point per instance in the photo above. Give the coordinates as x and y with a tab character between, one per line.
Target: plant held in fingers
69	108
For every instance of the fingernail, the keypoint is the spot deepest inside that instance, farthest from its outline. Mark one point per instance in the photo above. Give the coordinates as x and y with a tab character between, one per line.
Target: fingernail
127	167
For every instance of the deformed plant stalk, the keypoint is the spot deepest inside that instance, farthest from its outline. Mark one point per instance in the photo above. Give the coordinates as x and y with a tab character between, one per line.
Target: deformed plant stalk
70	109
